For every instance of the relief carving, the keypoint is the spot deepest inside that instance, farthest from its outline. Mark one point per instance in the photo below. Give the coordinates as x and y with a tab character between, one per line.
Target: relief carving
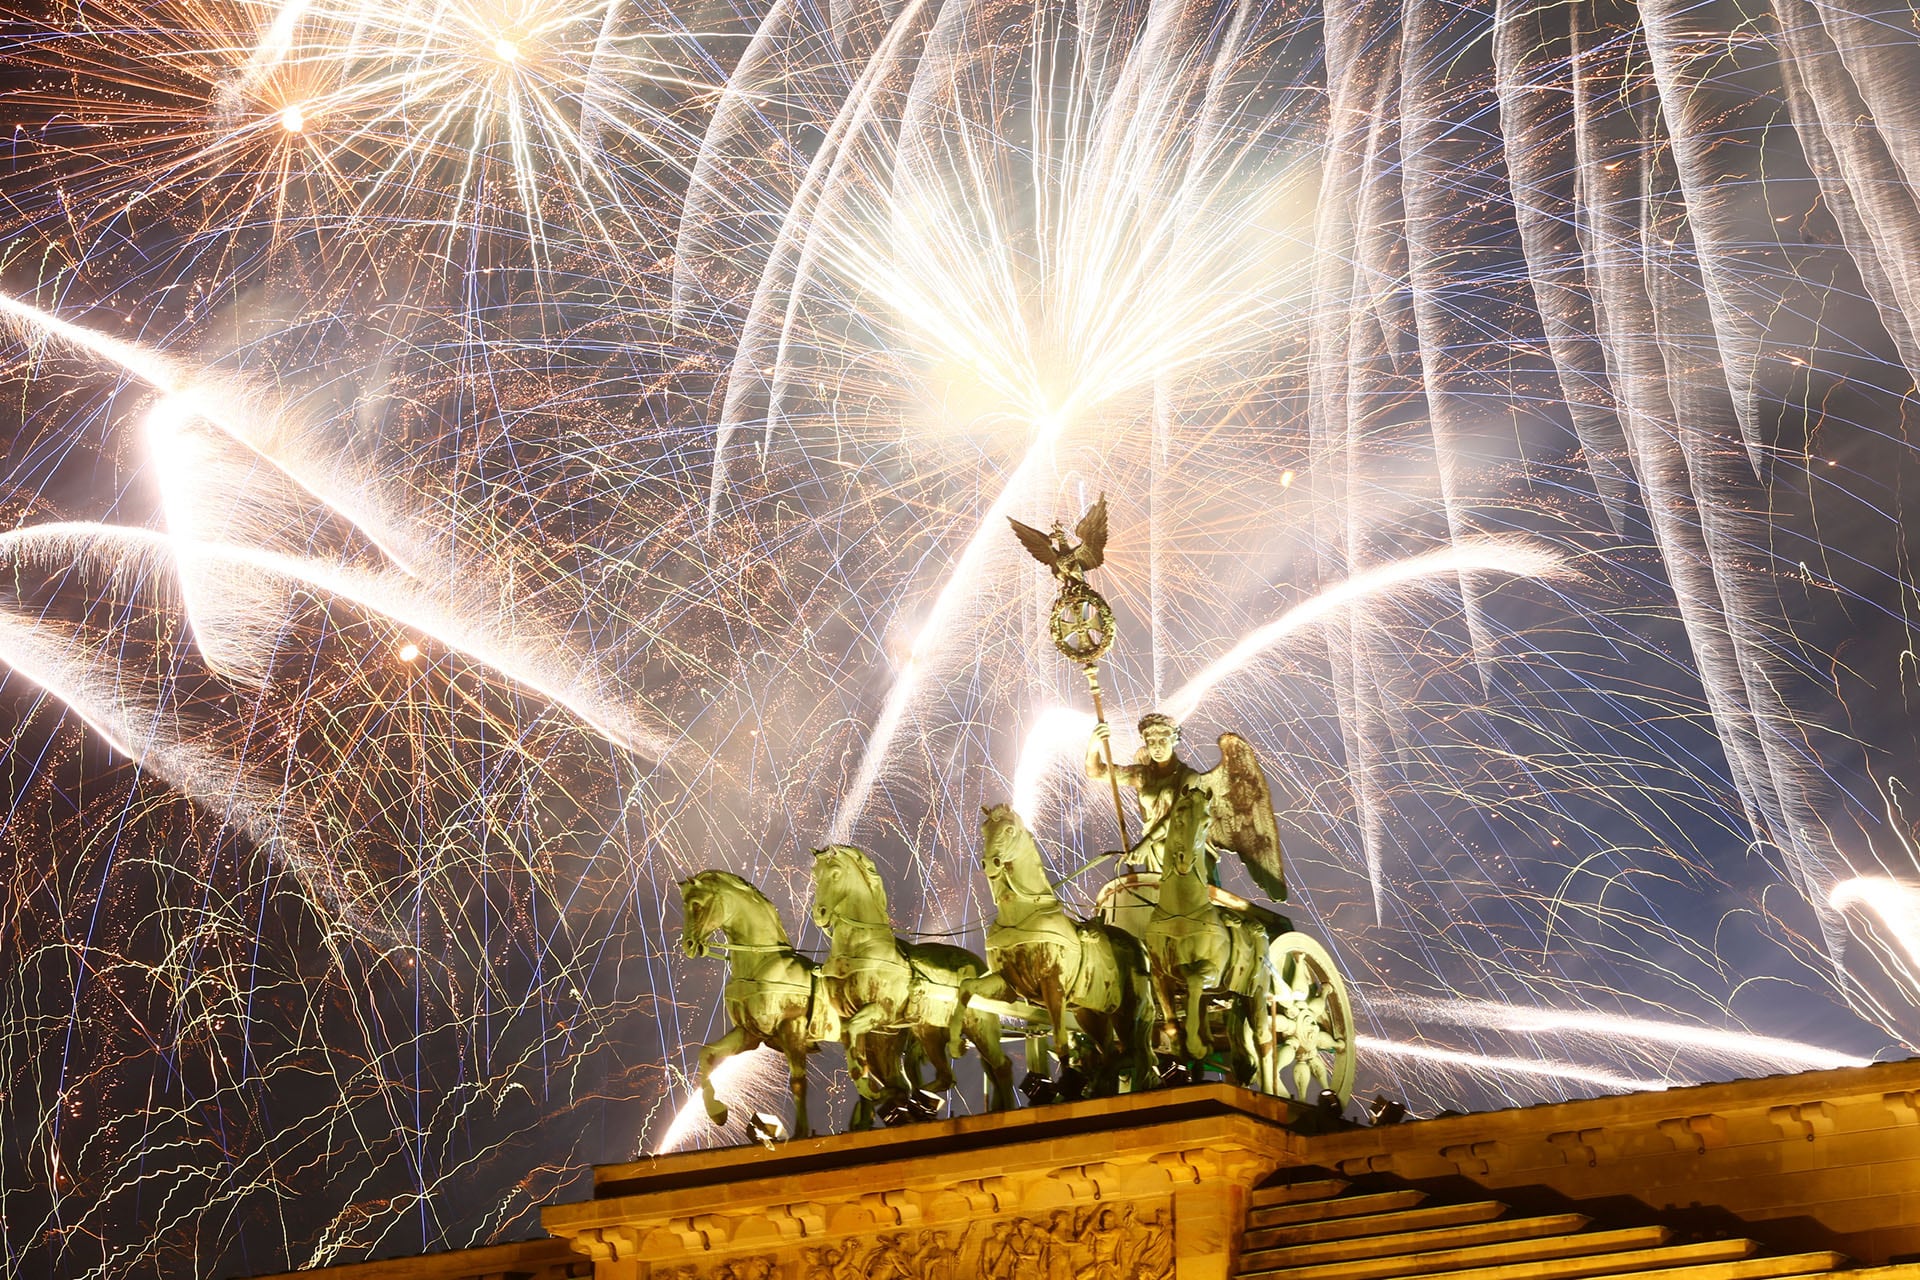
1095	1242
900	1255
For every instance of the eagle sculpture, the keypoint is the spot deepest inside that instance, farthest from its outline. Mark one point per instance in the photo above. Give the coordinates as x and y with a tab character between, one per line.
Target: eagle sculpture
1065	559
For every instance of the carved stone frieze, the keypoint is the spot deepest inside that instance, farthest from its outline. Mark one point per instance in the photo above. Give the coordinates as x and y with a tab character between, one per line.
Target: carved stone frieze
897	1255
764	1266
1092	1242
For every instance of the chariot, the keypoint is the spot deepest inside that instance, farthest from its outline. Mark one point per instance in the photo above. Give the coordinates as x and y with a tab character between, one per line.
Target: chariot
1307	1001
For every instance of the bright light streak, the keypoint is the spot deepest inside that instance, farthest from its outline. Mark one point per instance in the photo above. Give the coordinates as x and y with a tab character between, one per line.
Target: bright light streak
1896	902
1058	732
1738	1050
392	596
746	1082
275	43
1517	557
938	632
196	394
1534	1067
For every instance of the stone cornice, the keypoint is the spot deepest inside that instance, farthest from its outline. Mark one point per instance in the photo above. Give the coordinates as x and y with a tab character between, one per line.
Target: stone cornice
1143	1151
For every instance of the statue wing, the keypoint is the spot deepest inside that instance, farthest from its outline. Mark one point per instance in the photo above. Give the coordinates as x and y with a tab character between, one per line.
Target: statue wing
1242	815
1092	532
1034	541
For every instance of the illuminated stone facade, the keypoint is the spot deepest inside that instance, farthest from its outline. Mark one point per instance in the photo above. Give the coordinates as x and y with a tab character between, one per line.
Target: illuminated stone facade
1753	1180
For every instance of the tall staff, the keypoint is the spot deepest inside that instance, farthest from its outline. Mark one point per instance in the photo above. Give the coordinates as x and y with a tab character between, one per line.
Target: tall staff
1081	623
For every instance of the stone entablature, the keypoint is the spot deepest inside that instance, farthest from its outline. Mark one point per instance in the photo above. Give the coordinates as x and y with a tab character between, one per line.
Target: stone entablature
1146	1185
1153	1185
1820	1160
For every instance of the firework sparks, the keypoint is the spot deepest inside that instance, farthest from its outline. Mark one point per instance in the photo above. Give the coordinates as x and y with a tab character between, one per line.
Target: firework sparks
470	463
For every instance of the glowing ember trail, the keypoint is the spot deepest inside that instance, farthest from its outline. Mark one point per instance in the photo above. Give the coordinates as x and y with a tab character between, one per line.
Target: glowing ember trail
470	465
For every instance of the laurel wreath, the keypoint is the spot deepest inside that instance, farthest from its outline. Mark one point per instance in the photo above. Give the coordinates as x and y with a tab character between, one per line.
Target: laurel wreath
1081	624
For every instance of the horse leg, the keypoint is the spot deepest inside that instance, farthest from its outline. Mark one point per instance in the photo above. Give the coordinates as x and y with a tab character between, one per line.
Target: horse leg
934	1045
1244	1035
957	1024
1266	1036
1196	1012
796	1050
1136	1026
878	1078
933	1042
990	985
1166	1006
1103	1063
735	1041
983	1029
1054	996
859	1031
903	1062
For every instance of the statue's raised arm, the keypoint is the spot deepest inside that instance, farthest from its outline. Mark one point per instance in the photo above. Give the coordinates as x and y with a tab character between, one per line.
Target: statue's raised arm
1242	815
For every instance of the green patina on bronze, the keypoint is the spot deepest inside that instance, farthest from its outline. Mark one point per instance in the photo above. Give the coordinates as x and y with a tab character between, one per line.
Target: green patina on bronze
1197	946
774	996
882	984
1089	977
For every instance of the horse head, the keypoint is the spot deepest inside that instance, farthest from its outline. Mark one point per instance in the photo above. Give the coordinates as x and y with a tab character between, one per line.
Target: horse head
1186	831
722	902
846	886
1009	853
1000	832
700	913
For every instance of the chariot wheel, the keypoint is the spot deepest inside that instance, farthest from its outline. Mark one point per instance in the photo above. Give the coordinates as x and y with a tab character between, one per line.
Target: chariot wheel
1313	1020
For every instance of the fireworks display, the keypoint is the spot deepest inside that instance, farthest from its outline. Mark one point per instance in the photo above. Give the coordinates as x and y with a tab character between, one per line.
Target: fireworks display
473	462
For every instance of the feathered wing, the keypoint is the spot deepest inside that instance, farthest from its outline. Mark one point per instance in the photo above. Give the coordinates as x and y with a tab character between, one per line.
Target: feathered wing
1034	541
1242	815
1092	532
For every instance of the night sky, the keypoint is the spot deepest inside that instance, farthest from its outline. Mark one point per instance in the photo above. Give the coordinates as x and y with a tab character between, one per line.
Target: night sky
470	464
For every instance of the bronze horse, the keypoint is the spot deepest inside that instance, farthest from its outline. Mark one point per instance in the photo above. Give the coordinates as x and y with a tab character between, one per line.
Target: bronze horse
881	984
1084	973
1200	949
774	995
